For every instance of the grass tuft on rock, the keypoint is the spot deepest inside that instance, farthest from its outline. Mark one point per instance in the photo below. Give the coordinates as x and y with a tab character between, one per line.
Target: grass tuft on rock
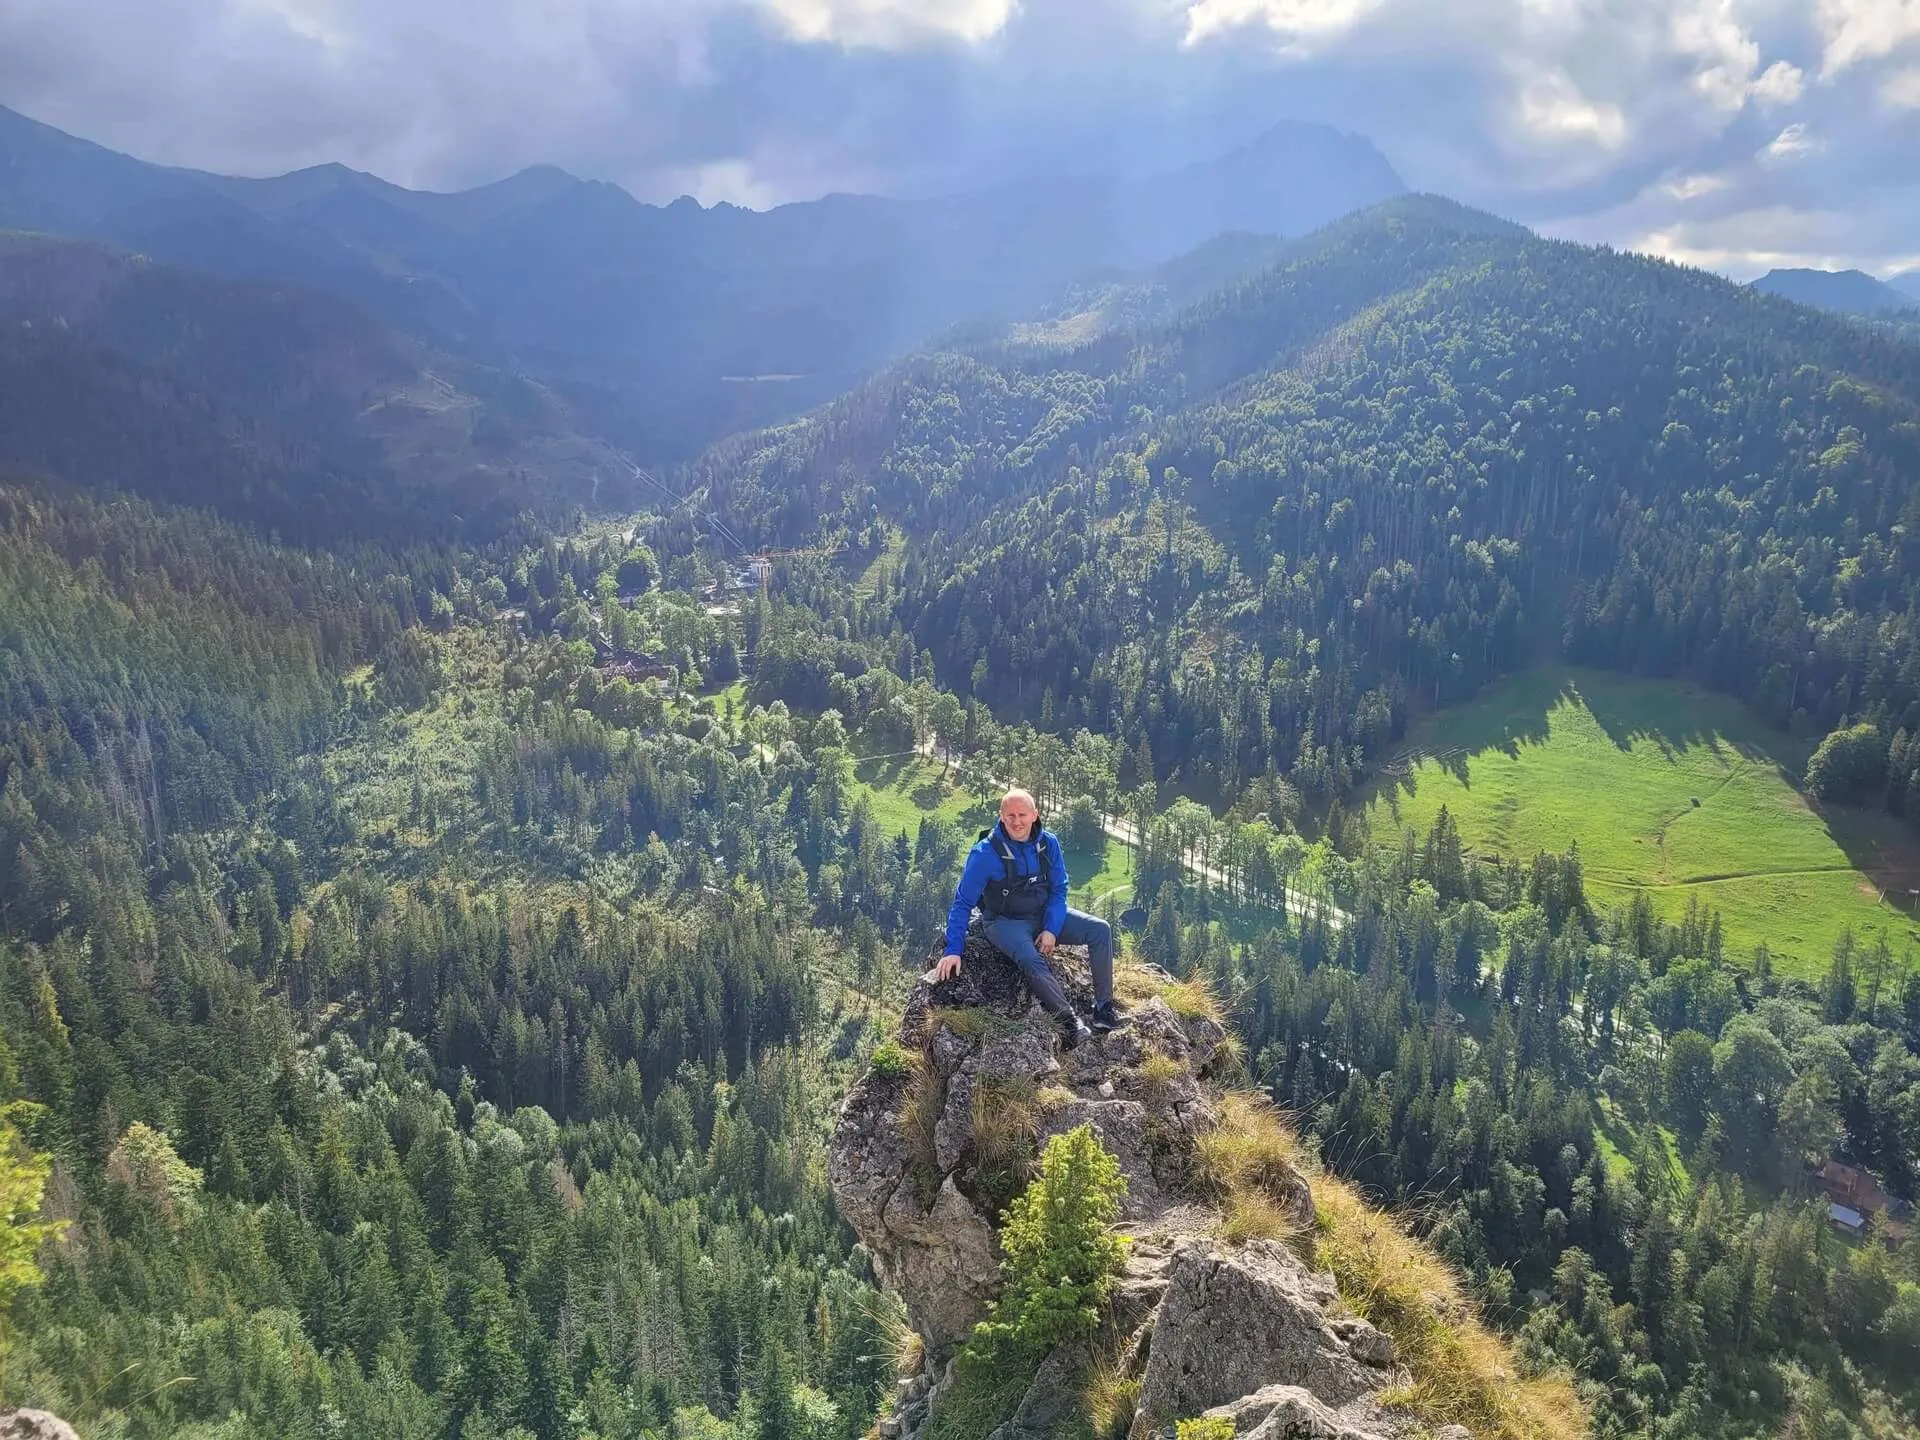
1462	1374
973	1022
1003	1118
1158	1071
986	1390
919	1113
1109	1400
1195	999
1250	1157
1252	1215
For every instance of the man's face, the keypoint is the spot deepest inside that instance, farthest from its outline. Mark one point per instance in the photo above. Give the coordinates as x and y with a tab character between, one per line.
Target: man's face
1017	817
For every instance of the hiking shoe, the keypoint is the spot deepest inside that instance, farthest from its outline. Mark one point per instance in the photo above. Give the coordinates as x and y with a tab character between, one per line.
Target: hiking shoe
1072	1032
1106	1017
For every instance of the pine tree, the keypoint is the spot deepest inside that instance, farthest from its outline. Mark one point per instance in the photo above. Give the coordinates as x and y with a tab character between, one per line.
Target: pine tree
776	1417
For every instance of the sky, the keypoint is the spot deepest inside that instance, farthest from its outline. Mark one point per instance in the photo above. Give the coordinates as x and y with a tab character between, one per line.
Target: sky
1734	134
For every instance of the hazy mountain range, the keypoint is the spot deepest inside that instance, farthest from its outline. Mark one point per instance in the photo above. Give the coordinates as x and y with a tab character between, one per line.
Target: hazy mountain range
664	327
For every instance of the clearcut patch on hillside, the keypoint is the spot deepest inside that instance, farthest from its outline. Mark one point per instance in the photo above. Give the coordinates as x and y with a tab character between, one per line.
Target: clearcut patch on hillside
1667	788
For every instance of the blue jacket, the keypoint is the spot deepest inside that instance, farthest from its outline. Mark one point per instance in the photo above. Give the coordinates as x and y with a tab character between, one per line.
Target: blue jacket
984	865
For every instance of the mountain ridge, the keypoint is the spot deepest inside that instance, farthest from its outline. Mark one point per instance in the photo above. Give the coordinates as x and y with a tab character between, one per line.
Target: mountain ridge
270	403
640	314
1849	291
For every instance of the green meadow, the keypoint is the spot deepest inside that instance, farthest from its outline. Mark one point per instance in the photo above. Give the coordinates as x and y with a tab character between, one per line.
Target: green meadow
1669	790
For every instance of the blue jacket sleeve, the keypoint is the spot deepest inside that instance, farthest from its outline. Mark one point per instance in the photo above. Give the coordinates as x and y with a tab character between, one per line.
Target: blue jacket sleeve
1057	898
973	884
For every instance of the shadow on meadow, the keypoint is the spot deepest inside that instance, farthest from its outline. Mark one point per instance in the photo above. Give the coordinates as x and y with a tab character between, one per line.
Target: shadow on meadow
1674	717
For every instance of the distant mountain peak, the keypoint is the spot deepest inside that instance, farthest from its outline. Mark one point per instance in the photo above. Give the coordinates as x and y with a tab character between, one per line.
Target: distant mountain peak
1849	291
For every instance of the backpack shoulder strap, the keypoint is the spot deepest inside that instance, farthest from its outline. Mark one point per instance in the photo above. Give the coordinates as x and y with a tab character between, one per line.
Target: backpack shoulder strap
1003	850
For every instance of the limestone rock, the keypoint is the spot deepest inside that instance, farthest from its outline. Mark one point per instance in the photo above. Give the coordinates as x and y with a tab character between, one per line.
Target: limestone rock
1287	1412
938	1256
1237	1319
1143	1281
944	1263
1052	1398
34	1425
1124	1128
905	1170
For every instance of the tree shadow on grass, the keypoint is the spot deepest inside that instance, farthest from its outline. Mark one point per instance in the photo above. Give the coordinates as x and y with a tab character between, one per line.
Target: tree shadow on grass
1676	717
883	772
932	791
1505	716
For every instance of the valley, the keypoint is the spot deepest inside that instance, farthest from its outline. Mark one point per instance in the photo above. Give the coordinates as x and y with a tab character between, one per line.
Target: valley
443	908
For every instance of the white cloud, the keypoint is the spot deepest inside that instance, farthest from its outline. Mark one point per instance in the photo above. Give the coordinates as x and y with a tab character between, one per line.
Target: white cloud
1558	93
1748	242
1781	83
1610	119
891	24
1552	104
732	181
1791	143
1298	21
1693	187
1726	53
1860	30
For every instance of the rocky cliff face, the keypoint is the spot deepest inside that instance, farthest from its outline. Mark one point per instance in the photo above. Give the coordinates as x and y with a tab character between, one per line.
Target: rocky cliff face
923	1163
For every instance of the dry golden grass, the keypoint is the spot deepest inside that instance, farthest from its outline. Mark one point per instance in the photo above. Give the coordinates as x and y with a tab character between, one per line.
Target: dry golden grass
1158	1071
1109	1400
896	1338
1134	983
1052	1097
1251	1148
919	1113
971	1022
1252	1215
1195	1000
1463	1374
1003	1118
1230	1060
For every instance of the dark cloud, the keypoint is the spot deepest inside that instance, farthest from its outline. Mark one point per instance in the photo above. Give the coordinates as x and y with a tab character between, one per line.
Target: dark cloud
1652	123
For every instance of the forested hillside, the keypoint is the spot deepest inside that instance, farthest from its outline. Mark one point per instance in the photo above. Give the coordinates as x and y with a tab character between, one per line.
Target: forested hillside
279	406
1422	450
404	1048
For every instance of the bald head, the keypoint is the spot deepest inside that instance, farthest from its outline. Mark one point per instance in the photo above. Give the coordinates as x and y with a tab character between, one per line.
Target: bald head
1017	814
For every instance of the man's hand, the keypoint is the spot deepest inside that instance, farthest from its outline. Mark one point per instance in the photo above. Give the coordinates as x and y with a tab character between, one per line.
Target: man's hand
948	967
1045	942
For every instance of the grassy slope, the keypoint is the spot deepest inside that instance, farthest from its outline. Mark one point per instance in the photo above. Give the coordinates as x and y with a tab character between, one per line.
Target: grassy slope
1558	755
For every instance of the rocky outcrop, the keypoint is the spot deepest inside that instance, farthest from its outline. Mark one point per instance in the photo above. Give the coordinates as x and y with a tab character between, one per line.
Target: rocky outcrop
34	1425
1237	1319
1288	1412
1247	1332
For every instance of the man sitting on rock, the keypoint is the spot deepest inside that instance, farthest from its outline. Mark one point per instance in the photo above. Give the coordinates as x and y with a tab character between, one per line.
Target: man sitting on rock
1017	875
